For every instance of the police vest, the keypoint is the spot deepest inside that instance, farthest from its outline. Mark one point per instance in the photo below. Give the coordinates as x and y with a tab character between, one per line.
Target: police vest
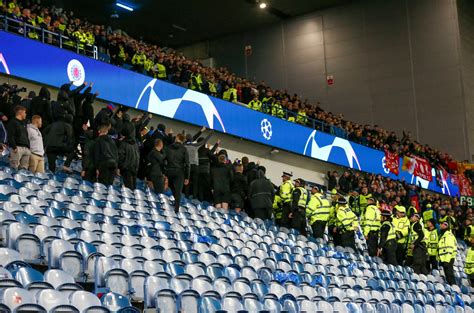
255	105
282	197
121	53
318	209
301	117
161	71
277	110
402	225
433	242
447	247
469	266
371	219
303	200
148	64
363	201
196	82
230	95
469	233
139	59
413	236
428	215
391	232
346	219
212	87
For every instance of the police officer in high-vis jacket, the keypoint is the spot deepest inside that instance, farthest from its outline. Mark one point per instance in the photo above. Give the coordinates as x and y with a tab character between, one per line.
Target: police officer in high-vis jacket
469	265
402	227
370	222
387	248
317	212
282	200
346	223
417	245
447	250
433	239
297	215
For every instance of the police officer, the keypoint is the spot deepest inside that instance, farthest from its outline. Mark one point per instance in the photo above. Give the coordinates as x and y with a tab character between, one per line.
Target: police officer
387	246
447	249
469	265
317	212
412	209
230	94
370	223
282	200
364	195
346	223
296	217
402	227
432	231
267	102
255	104
429	214
332	220
417	242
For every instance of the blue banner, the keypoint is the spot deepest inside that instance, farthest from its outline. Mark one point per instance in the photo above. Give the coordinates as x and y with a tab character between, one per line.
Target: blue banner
49	65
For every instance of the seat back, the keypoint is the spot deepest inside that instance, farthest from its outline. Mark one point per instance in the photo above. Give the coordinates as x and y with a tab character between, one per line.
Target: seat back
166	301
188	301
83	300
153	284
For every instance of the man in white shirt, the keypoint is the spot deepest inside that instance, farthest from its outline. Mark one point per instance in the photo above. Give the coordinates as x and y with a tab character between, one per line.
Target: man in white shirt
36	145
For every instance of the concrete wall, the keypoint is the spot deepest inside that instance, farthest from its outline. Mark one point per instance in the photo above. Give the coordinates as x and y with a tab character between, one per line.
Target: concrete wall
396	63
304	167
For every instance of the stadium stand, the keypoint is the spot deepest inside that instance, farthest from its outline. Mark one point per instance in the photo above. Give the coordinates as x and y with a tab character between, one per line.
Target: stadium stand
116	47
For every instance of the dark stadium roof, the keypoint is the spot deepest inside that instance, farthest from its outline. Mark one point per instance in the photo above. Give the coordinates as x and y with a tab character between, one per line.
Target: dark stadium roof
178	22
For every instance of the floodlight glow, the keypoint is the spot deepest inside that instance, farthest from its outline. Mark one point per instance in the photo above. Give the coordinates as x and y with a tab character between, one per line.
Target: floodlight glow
262	5
123	6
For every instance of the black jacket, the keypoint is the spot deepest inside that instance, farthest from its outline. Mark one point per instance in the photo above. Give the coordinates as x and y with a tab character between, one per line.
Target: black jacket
41	105
177	158
155	163
345	184
17	134
103	116
105	152
240	185
58	136
63	108
221	175
205	156
128	155
261	193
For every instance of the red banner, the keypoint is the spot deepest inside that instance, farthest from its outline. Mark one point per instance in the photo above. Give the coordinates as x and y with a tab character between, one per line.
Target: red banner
422	169
392	161
464	184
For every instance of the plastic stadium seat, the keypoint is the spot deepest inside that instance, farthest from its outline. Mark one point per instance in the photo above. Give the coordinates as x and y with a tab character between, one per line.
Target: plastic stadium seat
21	238
55	301
188	301
86	301
19	300
153	284
117	303
63	255
210	302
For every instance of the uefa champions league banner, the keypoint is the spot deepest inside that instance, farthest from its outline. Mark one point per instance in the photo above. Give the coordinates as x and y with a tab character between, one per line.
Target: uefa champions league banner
50	65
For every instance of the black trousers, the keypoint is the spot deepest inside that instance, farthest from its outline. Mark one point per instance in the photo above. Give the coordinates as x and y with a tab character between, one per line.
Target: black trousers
106	174
192	188
318	228
372	242
204	187
449	272
52	154
419	260
401	253
389	253
336	236
432	263
263	213
298	221
348	239
176	183
129	179
285	216
471	279
158	183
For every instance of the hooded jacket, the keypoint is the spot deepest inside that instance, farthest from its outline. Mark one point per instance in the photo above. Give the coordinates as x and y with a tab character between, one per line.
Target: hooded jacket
261	193
128	155
222	177
59	136
41	105
177	158
105	152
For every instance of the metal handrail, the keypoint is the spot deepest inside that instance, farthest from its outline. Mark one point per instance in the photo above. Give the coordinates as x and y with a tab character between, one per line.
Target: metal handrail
47	36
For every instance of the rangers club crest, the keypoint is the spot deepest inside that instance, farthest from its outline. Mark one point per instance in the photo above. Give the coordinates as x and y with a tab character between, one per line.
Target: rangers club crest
76	72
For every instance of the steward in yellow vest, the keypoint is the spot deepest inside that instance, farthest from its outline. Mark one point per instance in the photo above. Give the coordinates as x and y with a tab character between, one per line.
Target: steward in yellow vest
402	228
387	248
282	197
255	104
370	223
294	216
317	212
417	242
346	223
230	94
433	239
469	239
196	81
447	250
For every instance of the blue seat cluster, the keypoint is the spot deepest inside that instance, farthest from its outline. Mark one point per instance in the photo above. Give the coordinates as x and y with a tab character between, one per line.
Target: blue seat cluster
133	247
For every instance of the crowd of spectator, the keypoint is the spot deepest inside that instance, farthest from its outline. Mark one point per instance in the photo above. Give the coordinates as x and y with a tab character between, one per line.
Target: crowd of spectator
167	64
